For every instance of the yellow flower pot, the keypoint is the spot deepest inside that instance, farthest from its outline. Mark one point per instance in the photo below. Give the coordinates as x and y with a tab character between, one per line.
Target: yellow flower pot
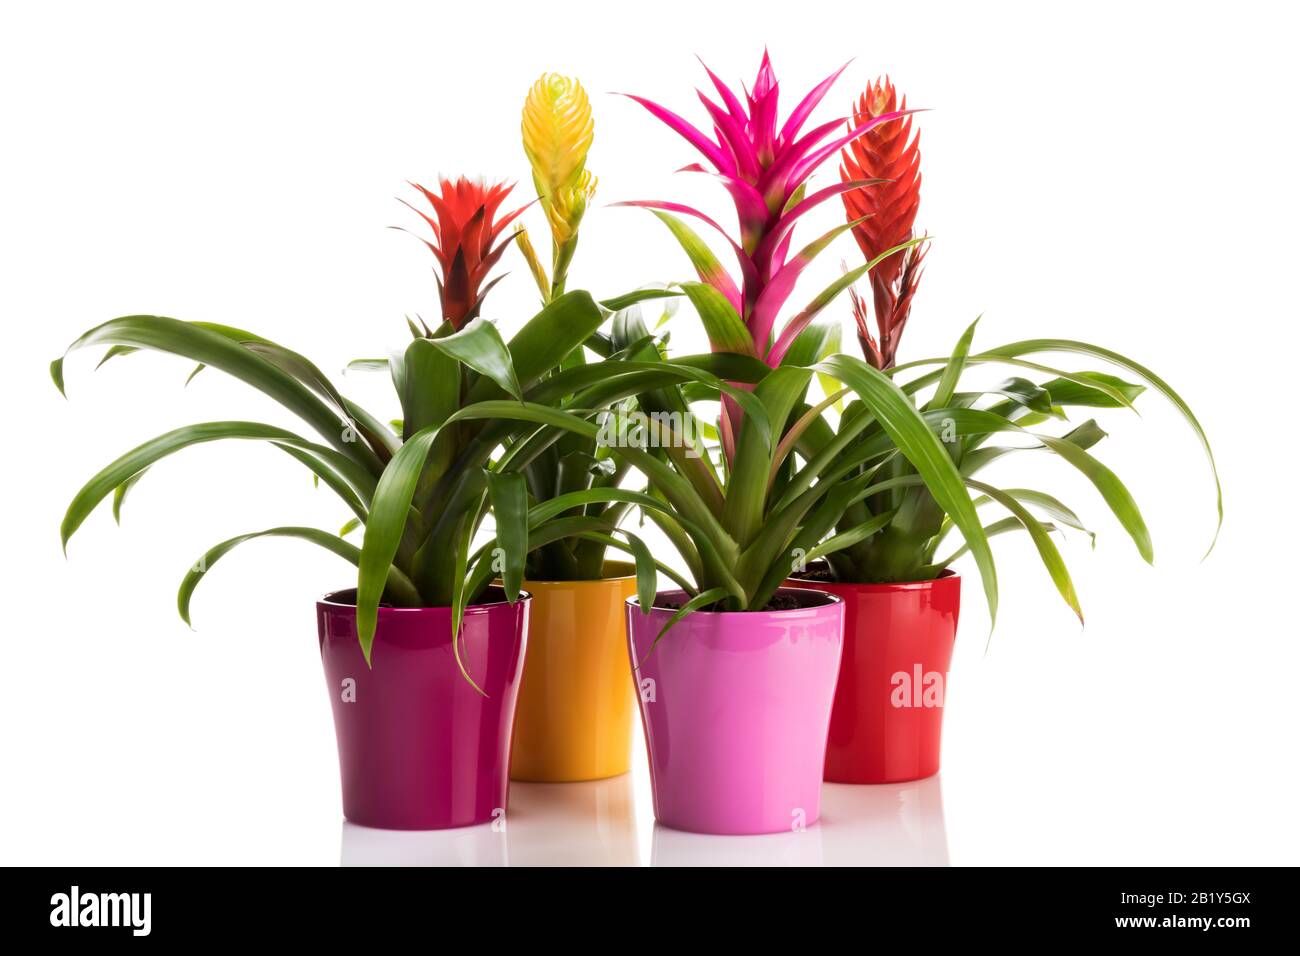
574	716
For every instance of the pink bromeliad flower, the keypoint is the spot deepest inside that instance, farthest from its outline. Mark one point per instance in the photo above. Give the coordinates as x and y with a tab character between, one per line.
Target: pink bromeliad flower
765	165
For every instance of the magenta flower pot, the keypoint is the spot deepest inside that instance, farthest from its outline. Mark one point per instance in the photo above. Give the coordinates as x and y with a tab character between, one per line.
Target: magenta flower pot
419	748
736	707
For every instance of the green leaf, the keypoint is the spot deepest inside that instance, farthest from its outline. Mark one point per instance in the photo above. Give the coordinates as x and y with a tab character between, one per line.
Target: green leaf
619	303
952	371
1085	436
367	365
321	462
114	352
809	427
1070	448
986	358
461	594
398	584
706	264
509	494
120	493
1031	346
384	529
854	535
305	371
680	493
480	346
1053	506
918	443
209	347
546	339
1047	549
647	575
703	599
822	337
1025	393
990	530
430	384
1065	392
746	500
725	328
129	465
1114	492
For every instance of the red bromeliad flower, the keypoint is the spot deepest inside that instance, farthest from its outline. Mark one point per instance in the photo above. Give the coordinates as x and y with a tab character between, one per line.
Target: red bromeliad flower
465	233
765	166
884	216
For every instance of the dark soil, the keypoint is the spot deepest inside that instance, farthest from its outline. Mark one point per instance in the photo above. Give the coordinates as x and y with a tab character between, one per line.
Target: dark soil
817	571
778	602
816	574
782	602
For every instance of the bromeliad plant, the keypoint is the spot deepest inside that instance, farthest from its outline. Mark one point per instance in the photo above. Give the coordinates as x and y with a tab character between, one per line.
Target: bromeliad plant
765	165
558	130
737	527
898	472
420	491
883	218
892	526
734	523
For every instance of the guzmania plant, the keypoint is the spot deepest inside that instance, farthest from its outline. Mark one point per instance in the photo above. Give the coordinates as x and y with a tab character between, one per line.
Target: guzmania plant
738	525
421	492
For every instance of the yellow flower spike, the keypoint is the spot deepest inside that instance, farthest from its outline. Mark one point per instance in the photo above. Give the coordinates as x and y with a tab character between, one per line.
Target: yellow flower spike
557	131
567	205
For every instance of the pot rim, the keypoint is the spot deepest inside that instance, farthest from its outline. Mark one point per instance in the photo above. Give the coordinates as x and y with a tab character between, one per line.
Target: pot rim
329	600
946	575
830	601
580	581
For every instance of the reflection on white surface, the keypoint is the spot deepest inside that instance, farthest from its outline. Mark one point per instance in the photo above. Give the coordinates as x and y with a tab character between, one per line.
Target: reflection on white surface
896	824
573	824
891	824
593	824
548	824
461	846
679	848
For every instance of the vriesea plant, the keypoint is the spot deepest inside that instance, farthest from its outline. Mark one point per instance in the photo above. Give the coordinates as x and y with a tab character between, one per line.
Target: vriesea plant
882	218
421	491
892	525
558	131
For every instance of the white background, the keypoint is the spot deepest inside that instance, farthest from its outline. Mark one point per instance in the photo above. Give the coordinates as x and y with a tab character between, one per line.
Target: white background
1121	173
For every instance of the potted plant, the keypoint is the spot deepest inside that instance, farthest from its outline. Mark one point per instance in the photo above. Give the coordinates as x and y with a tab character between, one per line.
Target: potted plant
736	673
887	559
422	669
574	716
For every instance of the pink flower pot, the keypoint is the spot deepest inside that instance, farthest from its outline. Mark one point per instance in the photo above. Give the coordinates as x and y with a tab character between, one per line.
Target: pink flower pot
735	707
419	748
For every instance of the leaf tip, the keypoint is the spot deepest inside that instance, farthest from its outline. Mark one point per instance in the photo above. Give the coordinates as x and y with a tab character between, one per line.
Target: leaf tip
56	373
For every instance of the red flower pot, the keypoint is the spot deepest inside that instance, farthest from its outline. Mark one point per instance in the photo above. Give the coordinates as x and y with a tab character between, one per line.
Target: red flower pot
888	713
419	748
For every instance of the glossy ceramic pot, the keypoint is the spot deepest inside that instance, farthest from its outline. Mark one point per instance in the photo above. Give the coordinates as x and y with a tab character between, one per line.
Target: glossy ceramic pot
419	748
574	719
888	716
735	707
